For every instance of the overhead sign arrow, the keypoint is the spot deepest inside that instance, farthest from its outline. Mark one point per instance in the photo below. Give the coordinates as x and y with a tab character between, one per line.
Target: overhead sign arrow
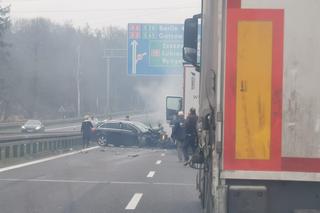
134	45
154	49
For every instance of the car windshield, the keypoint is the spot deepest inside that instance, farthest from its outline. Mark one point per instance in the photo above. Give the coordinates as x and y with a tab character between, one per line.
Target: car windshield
32	122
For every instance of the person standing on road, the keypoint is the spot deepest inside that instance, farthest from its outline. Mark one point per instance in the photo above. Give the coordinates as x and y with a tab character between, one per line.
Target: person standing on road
178	134
86	130
191	134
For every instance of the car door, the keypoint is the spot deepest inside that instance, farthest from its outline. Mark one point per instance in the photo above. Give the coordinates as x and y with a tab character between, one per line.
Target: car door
112	131
129	134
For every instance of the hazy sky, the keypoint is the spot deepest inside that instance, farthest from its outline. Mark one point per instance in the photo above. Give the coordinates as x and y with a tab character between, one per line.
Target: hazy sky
99	13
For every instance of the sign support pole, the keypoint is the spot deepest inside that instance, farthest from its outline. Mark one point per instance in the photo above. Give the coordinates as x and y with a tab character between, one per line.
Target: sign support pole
108	55
108	86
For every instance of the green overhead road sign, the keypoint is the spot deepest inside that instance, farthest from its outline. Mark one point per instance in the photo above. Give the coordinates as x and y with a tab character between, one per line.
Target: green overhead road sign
155	49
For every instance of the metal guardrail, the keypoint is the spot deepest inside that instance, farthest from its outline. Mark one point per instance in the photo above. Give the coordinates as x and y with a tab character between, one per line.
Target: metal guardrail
24	147
4	126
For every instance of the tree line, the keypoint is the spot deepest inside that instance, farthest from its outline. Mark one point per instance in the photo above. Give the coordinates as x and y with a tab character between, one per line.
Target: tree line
39	64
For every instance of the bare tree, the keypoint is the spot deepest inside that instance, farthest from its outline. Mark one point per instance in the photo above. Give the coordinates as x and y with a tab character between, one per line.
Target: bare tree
4	54
43	66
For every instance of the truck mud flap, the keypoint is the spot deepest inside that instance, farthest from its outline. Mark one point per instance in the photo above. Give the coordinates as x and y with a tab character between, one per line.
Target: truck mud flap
247	199
306	211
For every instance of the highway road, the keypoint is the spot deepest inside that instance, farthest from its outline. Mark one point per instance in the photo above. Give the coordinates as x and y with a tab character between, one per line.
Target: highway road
54	129
64	127
111	180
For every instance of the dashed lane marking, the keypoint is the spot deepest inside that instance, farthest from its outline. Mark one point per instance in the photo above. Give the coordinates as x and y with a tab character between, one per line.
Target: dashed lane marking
163	154
43	160
158	162
134	201
151	174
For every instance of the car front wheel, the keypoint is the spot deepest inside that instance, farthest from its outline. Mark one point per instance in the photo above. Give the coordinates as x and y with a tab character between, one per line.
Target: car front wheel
102	140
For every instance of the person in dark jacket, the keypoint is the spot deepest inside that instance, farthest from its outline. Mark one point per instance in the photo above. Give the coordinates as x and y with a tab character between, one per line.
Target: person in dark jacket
86	130
191	134
178	134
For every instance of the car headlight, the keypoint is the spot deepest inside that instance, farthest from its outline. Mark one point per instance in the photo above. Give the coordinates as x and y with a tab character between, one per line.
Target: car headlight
23	127
38	127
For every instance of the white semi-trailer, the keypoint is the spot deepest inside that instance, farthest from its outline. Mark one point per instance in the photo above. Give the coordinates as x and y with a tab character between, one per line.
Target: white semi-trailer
259	107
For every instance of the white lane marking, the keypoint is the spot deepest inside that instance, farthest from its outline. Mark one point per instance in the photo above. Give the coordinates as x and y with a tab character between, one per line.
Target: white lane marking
151	174
43	160
158	162
92	182
66	127
173	184
53	181
163	154
70	181
134	201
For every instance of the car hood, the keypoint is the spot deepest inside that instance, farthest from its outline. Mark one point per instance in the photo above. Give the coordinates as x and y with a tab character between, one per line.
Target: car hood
32	126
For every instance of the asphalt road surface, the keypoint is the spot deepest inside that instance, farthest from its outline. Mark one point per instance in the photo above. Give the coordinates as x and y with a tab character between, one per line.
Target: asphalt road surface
107	180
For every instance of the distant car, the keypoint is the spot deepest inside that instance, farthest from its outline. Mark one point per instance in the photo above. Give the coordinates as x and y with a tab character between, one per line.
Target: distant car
128	133
33	126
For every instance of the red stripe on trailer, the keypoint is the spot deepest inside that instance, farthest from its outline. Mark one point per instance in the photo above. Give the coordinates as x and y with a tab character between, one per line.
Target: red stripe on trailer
230	90
301	164
234	3
277	85
234	16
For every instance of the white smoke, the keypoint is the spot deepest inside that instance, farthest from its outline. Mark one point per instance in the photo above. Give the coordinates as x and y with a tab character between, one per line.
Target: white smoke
154	94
